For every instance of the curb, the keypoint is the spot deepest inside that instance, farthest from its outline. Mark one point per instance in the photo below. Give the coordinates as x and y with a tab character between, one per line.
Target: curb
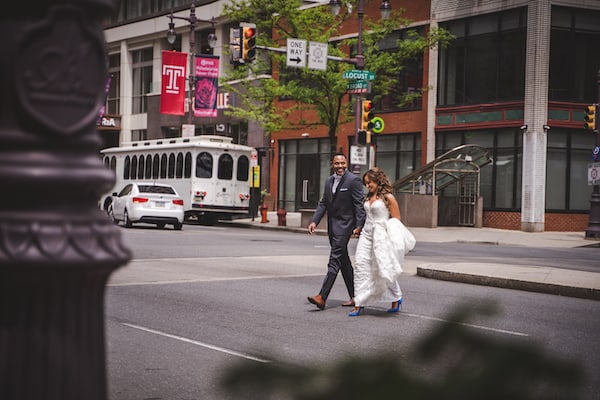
507	283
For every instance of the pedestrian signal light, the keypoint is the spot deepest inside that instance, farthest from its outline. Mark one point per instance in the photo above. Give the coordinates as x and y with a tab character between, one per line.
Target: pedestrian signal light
590	117
362	137
248	42
367	115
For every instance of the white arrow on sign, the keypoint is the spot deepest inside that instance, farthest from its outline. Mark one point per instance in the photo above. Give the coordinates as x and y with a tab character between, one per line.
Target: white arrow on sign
296	53
317	56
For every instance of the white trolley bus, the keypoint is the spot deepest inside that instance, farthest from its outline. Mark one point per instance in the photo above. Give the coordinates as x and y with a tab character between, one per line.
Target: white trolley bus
210	173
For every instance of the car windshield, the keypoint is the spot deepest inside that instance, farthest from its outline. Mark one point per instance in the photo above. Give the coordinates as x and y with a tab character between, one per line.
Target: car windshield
156	189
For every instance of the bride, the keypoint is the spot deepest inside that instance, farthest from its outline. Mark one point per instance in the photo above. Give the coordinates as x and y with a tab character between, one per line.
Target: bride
381	247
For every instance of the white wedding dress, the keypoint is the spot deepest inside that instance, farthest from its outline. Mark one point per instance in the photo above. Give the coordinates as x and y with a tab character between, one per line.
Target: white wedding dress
377	265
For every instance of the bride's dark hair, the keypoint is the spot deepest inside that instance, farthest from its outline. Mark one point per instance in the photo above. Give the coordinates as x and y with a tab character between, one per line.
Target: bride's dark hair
377	175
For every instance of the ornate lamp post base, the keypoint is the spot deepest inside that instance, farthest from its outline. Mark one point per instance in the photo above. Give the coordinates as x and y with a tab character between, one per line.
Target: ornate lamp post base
57	249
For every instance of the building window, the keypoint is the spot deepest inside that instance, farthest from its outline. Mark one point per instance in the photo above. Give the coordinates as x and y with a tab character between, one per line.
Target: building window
486	60
399	155
567	170
142	79
139	134
574	59
500	182
410	78
202	42
113	99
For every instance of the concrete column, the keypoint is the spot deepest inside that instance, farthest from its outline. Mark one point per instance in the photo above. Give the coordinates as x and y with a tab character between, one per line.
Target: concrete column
432	94
536	112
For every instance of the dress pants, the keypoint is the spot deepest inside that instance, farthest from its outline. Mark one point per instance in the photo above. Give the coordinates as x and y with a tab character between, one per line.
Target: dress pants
338	260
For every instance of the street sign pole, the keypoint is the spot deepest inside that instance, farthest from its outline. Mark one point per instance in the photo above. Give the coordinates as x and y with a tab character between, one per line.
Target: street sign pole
593	229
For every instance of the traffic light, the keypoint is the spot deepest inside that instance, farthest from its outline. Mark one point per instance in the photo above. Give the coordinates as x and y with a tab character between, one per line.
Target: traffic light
590	117
367	115
248	42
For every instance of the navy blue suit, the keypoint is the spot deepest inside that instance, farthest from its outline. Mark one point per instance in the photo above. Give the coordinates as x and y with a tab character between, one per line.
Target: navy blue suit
345	211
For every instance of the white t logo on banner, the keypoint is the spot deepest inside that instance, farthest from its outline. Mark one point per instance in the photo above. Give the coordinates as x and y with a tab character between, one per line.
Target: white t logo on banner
173	72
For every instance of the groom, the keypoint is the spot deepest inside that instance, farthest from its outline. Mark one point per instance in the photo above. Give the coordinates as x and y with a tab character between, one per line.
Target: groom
342	200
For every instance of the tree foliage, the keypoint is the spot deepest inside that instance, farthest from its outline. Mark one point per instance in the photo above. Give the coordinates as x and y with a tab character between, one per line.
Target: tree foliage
259	85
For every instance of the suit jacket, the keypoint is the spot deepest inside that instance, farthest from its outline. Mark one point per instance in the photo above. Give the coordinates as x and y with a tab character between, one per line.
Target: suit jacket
344	209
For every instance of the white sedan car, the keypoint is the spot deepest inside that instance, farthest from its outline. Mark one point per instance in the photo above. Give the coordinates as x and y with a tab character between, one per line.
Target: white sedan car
152	203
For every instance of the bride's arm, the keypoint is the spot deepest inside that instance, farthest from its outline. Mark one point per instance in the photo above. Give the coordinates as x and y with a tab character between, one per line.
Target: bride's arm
392	206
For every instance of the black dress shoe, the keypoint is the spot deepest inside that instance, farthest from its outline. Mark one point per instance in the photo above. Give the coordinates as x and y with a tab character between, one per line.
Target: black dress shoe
317	301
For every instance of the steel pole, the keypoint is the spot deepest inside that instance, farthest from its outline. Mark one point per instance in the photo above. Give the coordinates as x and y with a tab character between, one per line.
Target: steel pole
360	64
192	76
593	229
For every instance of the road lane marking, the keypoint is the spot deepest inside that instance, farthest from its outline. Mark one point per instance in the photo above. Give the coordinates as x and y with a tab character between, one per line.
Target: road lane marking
197	343
210	279
485	328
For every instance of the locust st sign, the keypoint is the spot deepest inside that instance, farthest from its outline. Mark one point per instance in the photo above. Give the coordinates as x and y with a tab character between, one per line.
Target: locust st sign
359	74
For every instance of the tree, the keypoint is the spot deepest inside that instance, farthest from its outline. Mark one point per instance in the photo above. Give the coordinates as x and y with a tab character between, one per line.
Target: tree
319	95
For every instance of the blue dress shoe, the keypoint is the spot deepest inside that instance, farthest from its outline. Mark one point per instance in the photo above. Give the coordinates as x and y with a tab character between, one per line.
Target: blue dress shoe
397	308
357	312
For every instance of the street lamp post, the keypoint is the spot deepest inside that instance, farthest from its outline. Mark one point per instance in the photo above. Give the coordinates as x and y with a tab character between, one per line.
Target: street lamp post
212	42
359	59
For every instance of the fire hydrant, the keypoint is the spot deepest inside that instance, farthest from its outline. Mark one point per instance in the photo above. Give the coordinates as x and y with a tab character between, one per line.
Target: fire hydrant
263	213
281	213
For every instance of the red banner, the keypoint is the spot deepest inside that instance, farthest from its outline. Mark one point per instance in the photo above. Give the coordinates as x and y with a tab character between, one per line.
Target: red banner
172	95
207	85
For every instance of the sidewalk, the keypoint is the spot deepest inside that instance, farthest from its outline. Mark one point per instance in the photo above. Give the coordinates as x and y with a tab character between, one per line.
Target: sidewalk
542	279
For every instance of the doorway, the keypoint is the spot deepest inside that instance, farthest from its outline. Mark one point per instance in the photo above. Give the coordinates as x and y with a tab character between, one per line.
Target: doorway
307	181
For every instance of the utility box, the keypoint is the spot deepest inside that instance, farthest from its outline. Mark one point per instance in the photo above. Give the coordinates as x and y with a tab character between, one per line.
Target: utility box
418	210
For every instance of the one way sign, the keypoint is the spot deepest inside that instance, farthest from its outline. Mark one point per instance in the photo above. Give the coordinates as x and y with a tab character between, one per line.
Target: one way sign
296	53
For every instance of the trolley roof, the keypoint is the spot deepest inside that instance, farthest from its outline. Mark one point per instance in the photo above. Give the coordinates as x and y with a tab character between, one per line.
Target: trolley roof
213	141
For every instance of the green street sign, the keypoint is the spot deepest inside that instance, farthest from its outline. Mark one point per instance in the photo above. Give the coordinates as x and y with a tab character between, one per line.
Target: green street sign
359	75
378	125
358	87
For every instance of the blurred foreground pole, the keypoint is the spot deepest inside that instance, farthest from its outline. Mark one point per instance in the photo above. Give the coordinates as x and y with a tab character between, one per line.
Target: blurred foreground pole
56	249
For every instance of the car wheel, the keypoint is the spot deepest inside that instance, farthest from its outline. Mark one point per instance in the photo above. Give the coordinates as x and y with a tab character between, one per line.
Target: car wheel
111	215
127	220
160	226
177	226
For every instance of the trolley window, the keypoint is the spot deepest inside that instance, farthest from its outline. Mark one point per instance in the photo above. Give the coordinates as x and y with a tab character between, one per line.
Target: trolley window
163	166
225	170
134	166
141	168
187	170
126	168
155	166
204	165
243	168
171	166
179	166
148	174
